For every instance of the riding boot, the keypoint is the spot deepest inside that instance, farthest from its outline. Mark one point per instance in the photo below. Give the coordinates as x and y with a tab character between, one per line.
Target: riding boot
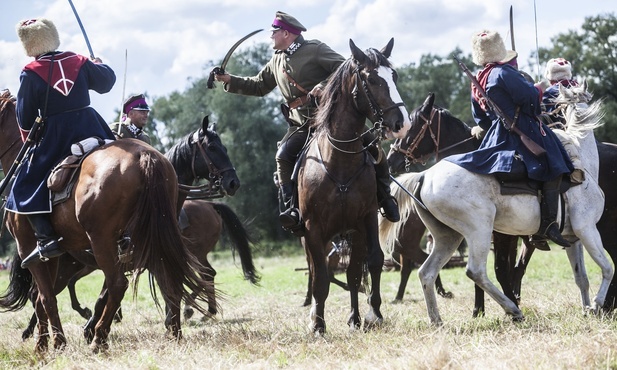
290	217
548	212
386	202
47	245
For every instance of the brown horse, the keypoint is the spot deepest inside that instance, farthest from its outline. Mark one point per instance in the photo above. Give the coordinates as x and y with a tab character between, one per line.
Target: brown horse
124	185
336	180
207	221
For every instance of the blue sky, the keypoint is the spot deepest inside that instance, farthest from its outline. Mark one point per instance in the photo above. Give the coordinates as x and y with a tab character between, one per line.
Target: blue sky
170	42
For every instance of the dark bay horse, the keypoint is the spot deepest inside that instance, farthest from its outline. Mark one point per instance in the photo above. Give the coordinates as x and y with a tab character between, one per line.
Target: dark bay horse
124	185
336	180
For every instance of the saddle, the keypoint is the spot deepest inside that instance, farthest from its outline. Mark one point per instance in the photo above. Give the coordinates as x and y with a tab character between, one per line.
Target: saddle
517	182
63	176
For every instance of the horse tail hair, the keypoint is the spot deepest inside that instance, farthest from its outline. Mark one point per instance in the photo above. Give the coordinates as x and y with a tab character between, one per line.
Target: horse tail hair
21	284
240	238
159	245
389	231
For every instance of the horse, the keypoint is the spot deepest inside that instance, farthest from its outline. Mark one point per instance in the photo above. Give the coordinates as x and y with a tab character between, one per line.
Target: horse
512	214
125	185
201	154
437	135
200	240
442	134
336	183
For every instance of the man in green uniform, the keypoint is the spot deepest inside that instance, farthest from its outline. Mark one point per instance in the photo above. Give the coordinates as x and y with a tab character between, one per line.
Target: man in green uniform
300	68
135	113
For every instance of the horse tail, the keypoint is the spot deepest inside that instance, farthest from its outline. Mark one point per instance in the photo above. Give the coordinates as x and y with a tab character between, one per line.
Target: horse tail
159	245
20	284
240	238
389	231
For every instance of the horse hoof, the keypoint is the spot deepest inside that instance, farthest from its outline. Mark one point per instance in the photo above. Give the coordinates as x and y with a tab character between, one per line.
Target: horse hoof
520	318
188	313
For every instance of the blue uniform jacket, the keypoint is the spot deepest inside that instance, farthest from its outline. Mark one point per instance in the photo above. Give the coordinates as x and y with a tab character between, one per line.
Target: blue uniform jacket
69	120
507	88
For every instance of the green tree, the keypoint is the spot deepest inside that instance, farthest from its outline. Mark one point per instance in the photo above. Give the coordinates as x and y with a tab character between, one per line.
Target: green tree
592	51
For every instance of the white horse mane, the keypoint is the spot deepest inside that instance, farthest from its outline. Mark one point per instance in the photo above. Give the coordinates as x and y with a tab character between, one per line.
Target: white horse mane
580	115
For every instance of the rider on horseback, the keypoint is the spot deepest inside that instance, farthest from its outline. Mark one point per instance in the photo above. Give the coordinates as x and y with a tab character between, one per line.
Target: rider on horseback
55	85
301	68
502	150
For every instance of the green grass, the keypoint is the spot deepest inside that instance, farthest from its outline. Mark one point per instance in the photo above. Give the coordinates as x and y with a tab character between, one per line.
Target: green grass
265	327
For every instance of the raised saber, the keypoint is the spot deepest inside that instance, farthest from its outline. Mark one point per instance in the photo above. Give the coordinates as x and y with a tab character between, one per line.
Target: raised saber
512	29
126	62
221	69
83	30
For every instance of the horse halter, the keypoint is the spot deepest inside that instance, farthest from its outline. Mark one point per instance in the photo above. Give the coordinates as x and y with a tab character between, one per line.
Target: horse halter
212	189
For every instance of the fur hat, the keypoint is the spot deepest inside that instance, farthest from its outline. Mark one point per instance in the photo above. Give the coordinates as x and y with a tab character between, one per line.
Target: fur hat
558	69
488	47
38	36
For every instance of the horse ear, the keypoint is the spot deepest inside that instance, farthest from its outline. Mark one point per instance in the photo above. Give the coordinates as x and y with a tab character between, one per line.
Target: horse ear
584	84
205	123
387	50
428	102
357	54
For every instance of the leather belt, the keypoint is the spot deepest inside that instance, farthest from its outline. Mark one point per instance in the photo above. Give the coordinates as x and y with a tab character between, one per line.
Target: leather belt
298	102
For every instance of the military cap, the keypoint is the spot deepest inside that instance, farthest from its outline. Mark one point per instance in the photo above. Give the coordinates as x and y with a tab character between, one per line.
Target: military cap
137	102
287	22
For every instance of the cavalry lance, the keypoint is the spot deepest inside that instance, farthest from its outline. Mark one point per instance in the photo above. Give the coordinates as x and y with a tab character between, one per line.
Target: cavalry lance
221	69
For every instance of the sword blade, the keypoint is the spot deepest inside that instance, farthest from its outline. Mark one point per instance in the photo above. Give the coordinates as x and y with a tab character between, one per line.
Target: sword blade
234	47
512	29
83	31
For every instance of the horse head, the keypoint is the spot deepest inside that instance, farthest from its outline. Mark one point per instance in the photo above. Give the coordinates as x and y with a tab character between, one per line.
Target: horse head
211	161
380	98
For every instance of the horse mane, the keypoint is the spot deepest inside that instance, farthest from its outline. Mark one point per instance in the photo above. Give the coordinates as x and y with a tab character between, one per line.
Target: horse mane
182	149
580	116
340	86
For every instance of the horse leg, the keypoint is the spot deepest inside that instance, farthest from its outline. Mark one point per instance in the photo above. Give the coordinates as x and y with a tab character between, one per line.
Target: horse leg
116	284
321	284
47	306
375	260
85	312
505	247
521	266
479	248
577	263
478	307
406	268
446	241
354	279
99	305
440	289
590	237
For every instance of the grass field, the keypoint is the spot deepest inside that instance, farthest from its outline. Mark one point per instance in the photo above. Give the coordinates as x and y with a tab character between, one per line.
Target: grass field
265	327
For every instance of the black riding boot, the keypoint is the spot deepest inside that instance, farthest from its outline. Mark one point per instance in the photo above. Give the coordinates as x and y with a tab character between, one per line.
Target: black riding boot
386	201
290	217
47	245
548	212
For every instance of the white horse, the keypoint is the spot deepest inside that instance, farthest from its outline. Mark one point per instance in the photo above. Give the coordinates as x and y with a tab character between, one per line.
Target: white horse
461	204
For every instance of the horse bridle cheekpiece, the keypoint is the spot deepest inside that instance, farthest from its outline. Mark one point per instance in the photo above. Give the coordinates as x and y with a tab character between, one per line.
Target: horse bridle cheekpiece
377	112
213	188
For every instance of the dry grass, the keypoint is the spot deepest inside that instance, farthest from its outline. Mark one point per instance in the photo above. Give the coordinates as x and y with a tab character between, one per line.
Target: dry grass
265	327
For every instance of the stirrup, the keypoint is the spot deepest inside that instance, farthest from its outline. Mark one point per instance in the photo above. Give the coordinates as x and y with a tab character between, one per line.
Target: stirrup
290	218
552	233
43	252
539	242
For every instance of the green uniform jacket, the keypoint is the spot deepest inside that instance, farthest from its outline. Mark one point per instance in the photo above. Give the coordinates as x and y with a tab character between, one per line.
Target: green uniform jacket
311	64
126	133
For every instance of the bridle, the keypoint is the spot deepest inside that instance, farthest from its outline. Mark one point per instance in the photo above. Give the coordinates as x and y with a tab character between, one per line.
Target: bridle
427	126
213	188
376	111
